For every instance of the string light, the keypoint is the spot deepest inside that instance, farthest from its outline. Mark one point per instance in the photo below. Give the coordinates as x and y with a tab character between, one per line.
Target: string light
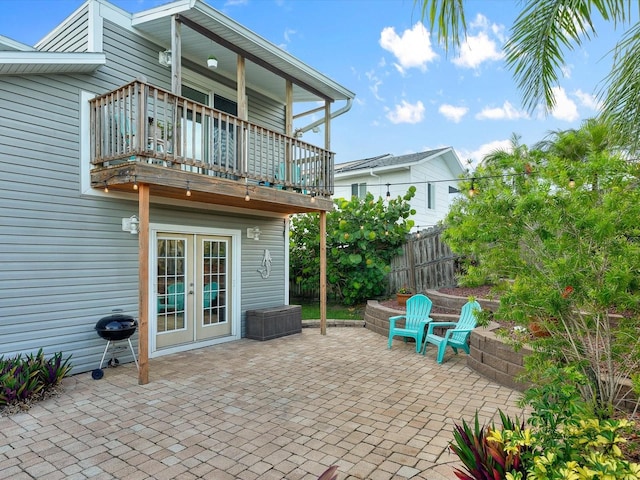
572	183
246	195
313	197
188	189
388	192
106	187
135	182
472	190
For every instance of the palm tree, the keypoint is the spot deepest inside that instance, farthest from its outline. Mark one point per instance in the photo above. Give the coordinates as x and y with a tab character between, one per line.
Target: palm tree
541	35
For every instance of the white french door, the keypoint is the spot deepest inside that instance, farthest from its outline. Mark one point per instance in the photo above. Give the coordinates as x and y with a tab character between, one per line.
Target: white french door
192	289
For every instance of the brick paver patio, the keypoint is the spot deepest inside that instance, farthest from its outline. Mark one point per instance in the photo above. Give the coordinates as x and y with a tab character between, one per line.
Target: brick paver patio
283	409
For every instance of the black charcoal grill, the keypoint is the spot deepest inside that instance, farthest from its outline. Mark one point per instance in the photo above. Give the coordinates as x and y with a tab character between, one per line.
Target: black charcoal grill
114	328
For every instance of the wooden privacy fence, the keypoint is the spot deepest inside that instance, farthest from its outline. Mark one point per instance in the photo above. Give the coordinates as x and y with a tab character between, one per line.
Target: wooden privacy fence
426	263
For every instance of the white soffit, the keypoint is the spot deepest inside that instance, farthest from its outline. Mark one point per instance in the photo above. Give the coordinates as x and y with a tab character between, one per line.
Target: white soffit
34	62
156	24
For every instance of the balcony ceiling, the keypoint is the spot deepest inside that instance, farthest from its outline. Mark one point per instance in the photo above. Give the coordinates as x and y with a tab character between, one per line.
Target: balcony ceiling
155	24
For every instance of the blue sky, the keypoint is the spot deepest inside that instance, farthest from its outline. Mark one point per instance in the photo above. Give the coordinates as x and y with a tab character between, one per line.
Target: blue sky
410	96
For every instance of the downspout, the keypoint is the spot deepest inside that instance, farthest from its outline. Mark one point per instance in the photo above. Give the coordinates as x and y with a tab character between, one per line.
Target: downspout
317	123
377	176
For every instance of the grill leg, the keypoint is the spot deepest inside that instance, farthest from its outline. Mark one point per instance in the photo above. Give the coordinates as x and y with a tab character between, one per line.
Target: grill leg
105	353
133	353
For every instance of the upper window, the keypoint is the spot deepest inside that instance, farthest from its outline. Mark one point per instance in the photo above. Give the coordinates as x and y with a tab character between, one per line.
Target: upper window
359	190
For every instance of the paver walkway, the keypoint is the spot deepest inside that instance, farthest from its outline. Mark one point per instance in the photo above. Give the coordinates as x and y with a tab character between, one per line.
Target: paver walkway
283	409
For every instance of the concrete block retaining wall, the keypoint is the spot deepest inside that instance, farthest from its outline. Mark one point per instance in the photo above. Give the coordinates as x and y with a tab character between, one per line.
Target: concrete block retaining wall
489	356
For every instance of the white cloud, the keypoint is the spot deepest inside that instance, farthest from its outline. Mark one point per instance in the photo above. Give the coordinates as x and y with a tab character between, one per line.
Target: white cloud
374	84
453	113
565	108
471	158
288	34
412	49
506	112
481	47
566	70
407	113
587	100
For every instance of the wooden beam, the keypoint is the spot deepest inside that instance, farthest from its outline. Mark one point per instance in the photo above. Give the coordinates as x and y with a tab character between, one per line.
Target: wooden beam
323	273
288	110
241	94
143	283
176	57
249	56
327	126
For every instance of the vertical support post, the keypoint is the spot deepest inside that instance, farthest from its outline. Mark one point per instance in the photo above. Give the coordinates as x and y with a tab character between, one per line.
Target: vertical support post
323	272
411	244
241	80
327	125
288	109
243	112
143	283
176	57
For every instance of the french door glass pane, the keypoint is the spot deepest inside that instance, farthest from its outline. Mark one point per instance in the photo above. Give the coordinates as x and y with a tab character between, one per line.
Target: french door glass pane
214	263
171	284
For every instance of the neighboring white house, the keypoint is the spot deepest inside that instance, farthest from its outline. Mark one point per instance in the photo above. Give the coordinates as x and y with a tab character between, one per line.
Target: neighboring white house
434	173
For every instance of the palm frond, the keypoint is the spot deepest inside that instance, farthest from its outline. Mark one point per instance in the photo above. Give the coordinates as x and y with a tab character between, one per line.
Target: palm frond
539	36
447	18
621	90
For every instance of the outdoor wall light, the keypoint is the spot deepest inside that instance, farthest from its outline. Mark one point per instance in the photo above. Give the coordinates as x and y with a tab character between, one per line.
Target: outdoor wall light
131	224
164	58
253	233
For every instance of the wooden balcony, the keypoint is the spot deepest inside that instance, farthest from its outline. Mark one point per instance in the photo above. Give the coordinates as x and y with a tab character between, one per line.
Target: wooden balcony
186	150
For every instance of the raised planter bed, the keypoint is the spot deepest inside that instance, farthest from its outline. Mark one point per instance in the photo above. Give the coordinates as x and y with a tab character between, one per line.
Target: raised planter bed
489	355
274	322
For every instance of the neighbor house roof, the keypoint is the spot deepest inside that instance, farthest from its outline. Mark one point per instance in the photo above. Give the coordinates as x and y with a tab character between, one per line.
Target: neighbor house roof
389	162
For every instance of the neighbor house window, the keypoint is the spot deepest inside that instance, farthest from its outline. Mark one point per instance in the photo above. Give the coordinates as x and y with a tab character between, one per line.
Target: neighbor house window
431	196
359	190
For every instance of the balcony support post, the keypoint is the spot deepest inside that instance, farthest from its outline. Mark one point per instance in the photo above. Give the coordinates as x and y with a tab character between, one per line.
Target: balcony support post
176	57
143	284
323	272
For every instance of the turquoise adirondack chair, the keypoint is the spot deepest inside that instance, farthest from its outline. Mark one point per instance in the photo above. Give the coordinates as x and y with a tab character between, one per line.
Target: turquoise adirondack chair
416	317
210	294
174	299
456	337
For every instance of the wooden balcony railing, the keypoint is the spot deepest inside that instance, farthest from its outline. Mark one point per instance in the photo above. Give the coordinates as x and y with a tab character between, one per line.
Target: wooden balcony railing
142	123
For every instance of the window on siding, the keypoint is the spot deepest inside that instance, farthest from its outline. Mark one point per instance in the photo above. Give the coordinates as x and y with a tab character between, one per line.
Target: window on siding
431	196
359	190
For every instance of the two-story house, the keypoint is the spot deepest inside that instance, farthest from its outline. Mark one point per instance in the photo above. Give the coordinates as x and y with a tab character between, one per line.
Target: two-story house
138	172
434	173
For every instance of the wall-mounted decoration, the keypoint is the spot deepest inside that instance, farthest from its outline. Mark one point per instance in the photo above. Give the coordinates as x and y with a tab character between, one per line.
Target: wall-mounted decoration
265	270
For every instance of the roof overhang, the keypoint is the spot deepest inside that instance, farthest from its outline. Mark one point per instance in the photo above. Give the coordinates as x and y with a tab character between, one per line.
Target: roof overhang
34	62
7	43
267	62
448	155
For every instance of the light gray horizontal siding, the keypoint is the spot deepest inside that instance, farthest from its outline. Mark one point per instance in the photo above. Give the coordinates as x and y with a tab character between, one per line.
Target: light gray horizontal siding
64	260
72	38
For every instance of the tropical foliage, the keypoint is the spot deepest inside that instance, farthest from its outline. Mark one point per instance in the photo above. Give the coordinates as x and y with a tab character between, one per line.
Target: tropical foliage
22	378
539	39
363	235
560	225
564	439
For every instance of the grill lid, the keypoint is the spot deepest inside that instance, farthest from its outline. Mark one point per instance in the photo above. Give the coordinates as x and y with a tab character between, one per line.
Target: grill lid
116	322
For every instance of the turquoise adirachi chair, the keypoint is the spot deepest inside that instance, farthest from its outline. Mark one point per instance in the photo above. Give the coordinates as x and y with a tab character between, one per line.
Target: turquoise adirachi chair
416	317
456	337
